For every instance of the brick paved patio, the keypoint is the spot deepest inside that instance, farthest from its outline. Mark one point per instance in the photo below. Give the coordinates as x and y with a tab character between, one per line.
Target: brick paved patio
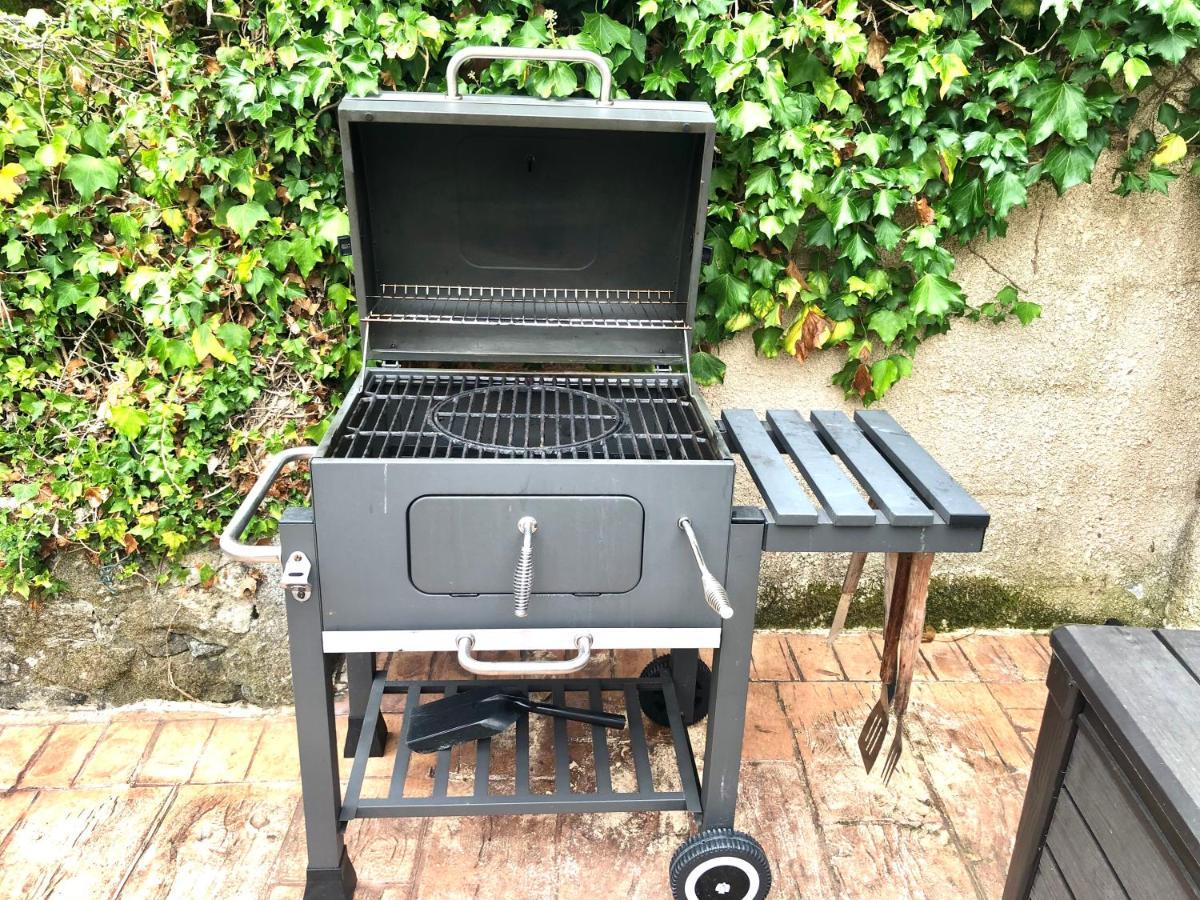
203	801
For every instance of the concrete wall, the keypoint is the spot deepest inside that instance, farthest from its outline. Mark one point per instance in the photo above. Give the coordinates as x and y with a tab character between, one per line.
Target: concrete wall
1078	433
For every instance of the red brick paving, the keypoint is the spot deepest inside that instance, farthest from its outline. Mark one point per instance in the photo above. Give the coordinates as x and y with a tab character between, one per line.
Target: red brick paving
203	802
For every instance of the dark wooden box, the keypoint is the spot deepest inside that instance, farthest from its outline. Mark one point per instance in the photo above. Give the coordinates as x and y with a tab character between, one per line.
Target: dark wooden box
1113	805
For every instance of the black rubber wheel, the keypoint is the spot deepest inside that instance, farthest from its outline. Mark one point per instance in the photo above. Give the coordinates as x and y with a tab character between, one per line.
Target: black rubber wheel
720	864
655	707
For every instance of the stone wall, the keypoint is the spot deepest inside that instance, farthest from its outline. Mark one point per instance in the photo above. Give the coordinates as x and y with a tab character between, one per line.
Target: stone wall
1078	433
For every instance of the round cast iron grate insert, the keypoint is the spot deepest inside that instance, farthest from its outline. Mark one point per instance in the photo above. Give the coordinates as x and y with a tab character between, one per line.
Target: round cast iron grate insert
525	418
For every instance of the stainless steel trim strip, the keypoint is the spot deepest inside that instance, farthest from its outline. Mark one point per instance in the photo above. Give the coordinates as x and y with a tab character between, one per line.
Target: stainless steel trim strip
520	639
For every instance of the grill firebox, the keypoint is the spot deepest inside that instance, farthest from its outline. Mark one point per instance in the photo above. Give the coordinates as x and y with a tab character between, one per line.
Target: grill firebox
403	415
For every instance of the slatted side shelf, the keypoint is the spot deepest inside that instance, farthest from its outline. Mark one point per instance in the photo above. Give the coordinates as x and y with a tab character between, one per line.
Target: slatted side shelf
561	799
896	498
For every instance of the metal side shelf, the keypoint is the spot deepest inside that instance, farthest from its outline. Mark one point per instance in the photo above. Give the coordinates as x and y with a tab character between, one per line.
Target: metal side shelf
861	486
562	799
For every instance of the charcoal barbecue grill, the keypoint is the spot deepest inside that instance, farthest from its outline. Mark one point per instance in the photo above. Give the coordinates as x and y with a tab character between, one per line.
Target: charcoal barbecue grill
476	509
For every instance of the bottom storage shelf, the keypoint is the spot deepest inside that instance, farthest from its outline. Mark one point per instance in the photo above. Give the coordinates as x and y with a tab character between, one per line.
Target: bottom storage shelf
599	776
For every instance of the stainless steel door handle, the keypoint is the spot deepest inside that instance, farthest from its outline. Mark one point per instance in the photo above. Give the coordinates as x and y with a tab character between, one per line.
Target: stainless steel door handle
533	54
523	573
714	591
502	668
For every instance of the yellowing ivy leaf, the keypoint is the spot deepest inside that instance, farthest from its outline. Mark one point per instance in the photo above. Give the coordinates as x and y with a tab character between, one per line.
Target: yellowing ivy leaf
127	420
12	176
949	66
1171	148
205	343
923	20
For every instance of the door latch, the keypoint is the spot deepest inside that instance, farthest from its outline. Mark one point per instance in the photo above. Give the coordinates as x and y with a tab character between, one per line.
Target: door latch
295	577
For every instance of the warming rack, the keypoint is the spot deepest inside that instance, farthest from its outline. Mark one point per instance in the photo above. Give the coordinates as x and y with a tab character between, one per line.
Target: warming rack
526	306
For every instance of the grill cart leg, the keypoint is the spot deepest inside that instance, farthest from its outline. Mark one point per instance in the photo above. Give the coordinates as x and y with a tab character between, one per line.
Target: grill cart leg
360	672
731	672
718	861
330	874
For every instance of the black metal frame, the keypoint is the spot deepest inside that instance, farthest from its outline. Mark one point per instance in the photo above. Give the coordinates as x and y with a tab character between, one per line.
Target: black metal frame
326	815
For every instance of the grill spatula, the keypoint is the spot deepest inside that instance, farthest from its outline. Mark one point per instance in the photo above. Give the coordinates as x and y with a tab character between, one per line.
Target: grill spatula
483	713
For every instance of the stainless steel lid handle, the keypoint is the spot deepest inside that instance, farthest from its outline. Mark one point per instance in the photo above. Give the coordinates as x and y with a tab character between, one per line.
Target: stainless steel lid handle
504	668
532	54
231	544
523	573
714	591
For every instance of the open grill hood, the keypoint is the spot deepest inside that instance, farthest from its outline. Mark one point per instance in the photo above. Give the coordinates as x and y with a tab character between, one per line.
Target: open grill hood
512	229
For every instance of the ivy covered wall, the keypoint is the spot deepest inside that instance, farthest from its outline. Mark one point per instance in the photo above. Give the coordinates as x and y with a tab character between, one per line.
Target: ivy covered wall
172	306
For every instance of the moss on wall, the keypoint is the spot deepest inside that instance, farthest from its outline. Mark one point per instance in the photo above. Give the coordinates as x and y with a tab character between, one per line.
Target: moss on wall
961	602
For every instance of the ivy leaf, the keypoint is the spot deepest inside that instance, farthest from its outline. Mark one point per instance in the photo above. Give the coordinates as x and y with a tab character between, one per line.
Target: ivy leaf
1174	12
1026	312
1058	107
770	226
1060	7
730	294
857	250
89	174
1171	149
707	369
1006	192
205	343
887	324
935	295
726	75
127	421
749	116
605	33
496	27
872	145
844	212
923	20
1134	71
949	66
1068	165
768	341
244	217
12	177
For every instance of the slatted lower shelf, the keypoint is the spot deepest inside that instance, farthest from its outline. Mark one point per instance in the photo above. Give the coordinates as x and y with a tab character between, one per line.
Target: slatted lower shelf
482	801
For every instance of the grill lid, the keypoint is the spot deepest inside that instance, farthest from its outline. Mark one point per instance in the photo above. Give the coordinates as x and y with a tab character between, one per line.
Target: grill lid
494	229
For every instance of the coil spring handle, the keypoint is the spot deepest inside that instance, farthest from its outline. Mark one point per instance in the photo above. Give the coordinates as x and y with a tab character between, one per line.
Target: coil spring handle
523	573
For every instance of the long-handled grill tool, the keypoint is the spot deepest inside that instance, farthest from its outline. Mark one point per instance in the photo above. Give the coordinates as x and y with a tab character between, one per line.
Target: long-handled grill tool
874	730
483	713
908	647
849	586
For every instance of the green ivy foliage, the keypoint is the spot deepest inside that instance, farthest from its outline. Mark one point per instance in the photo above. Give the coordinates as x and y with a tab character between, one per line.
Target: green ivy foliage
171	300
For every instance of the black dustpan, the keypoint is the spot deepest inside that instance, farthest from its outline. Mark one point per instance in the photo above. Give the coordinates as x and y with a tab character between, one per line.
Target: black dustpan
483	713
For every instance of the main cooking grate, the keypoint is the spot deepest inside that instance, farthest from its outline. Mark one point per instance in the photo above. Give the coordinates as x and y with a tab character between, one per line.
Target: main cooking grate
544	307
398	415
519	418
